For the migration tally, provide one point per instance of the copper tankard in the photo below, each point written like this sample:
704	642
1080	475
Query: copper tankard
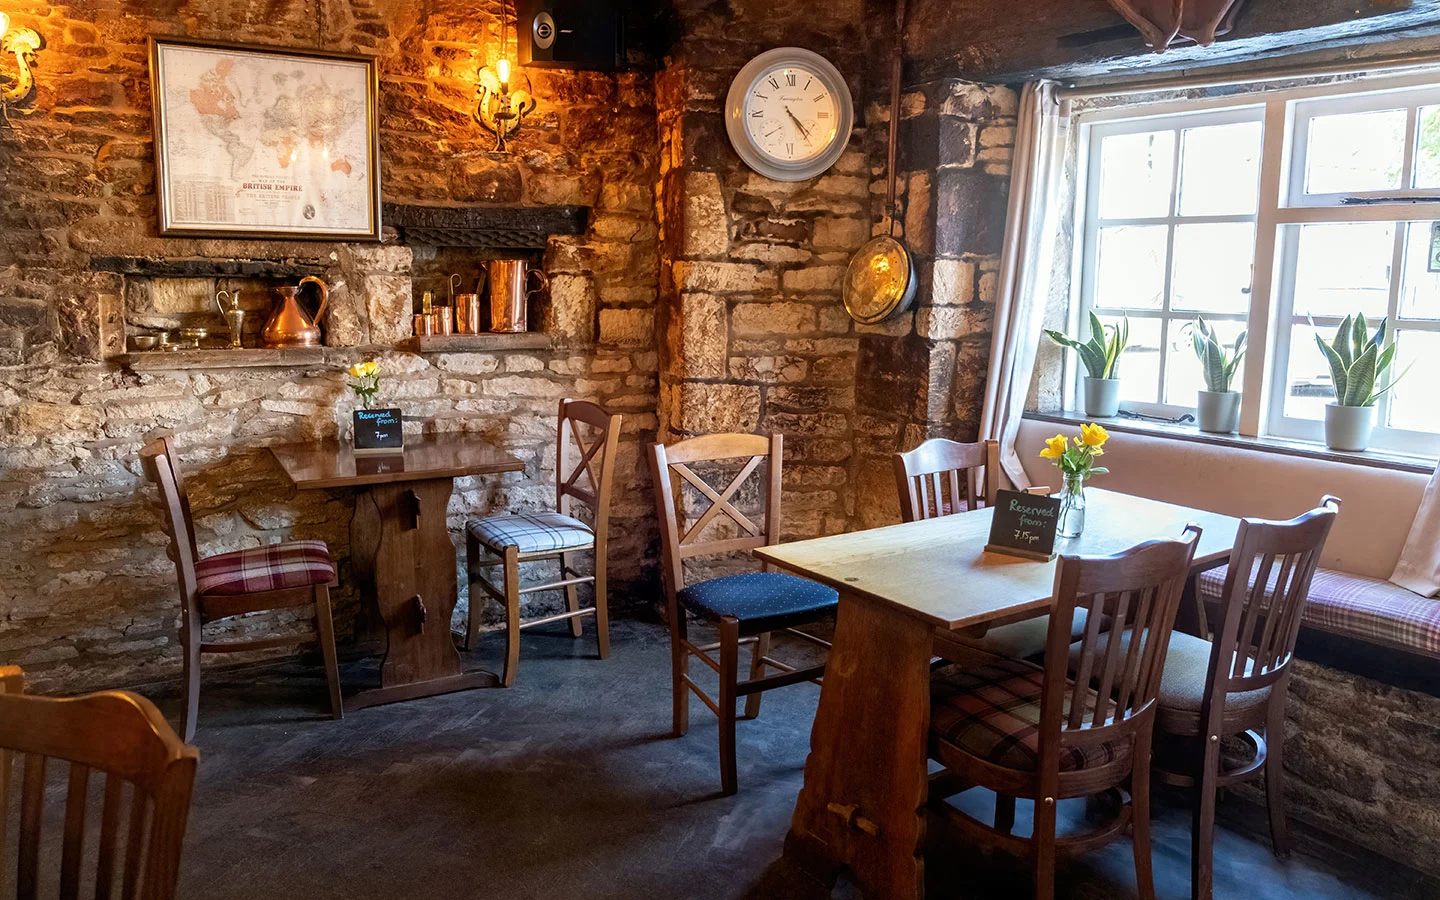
509	281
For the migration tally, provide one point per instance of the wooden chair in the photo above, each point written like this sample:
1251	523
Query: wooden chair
1236	682
746	607
116	734
1034	733
507	541
270	577
942	478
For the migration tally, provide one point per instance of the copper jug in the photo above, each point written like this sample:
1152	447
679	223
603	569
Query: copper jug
509	290
289	324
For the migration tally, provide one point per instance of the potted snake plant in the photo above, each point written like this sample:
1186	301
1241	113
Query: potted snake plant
1217	405
1100	355
1358	361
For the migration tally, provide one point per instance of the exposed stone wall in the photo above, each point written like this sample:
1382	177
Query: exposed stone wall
87	596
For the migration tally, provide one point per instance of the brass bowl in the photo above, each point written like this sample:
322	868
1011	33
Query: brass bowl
144	341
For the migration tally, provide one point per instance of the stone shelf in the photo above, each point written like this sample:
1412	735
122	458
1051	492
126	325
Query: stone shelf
172	360
462	343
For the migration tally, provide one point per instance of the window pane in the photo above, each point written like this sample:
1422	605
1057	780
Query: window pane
1220	169
1139	367
1344	269
1131	269
1136	174
1420	291
1412	400
1355	152
1427	160
1183	377
1308	387
1213	267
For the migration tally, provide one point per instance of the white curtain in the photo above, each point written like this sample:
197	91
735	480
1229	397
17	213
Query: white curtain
1025	268
1419	567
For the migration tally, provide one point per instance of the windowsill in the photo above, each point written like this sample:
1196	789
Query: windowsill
1376	459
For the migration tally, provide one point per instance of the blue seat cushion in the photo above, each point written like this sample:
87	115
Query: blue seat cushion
771	598
532	532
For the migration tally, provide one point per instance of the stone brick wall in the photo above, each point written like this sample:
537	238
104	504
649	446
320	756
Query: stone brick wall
87	595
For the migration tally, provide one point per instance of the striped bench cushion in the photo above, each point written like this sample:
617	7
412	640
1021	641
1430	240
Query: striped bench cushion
273	567
532	532
993	712
1365	608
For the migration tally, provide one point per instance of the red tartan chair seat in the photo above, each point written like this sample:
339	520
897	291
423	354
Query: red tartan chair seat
273	567
992	712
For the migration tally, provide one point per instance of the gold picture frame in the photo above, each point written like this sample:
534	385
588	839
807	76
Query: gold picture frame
285	122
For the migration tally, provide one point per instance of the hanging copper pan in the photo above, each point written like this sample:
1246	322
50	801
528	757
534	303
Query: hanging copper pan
880	280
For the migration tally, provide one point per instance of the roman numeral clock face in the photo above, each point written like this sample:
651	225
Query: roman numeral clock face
789	114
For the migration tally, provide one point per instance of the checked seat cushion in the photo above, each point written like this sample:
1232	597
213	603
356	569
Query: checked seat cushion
273	567
536	532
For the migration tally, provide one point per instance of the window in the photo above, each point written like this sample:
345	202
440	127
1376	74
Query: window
1266	213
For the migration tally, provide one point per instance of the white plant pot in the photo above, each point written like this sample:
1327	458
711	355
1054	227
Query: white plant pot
1219	411
1348	427
1102	396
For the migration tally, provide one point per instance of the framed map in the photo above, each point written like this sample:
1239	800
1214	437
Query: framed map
263	142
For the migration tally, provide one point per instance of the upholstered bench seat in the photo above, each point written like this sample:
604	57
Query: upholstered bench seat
1366	608
760	600
273	567
992	712
539	532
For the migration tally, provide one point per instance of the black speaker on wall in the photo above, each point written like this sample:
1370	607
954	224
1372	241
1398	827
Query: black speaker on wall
571	34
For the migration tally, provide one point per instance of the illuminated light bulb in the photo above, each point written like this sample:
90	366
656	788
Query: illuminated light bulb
502	68
4	24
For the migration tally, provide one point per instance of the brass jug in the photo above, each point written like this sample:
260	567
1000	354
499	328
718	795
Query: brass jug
510	292
289	324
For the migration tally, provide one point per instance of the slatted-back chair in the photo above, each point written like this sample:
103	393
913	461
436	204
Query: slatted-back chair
941	477
141	772
1235	684
506	541
1036	733
746	607
270	577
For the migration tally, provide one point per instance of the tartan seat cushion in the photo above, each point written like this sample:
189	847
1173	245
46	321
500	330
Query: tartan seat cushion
536	532
759	597
1366	608
273	567
992	712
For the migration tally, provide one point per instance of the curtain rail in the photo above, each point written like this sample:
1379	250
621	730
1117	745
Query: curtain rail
1369	67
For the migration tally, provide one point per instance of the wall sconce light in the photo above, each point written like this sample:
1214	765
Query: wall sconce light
17	89
500	108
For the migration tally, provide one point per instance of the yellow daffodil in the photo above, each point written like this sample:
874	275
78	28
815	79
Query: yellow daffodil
1054	447
364	369
1092	435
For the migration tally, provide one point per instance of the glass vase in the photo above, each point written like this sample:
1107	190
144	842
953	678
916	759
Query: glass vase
1072	507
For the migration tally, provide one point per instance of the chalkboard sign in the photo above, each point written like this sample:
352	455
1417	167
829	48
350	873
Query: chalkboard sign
1024	525
378	431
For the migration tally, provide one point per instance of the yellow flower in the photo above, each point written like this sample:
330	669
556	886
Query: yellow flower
1092	435
1054	447
364	369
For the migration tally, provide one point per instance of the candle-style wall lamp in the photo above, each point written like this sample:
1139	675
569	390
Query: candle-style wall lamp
17	89
501	107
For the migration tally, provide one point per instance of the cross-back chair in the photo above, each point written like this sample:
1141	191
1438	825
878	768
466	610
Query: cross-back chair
141	772
269	577
941	478
1235	683
746	607
1034	733
506	541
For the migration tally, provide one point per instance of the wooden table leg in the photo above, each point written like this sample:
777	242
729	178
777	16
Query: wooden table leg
862	804
403	549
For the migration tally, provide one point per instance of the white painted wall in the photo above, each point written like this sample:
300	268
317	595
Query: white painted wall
1377	506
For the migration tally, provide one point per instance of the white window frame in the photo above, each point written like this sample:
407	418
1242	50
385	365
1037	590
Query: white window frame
1282	207
1171	321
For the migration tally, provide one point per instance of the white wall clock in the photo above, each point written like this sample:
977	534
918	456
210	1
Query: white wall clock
789	114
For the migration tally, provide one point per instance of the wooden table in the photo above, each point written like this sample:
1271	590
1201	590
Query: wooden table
400	545
862	806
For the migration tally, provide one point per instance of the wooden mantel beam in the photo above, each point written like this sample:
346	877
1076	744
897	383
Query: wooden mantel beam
1005	41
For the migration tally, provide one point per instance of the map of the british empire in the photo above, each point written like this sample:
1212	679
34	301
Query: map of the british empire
264	142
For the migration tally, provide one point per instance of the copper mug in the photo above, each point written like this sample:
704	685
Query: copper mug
467	314
509	291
